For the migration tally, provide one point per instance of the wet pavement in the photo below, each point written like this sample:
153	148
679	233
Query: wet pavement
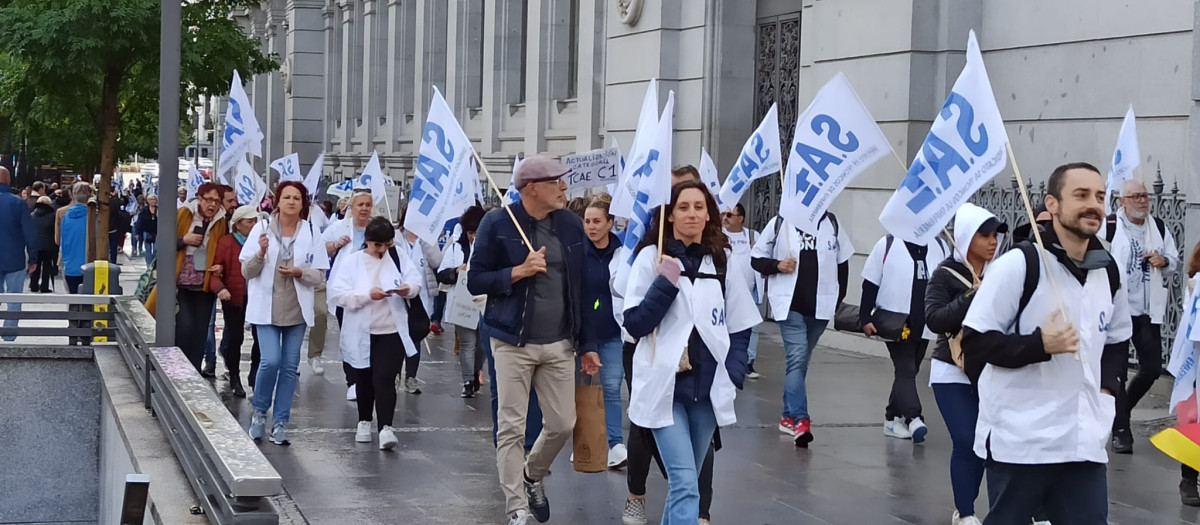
444	469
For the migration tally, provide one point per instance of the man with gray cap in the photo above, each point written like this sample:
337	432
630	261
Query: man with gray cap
533	318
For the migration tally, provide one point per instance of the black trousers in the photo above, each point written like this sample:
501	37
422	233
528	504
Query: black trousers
255	357
377	384
642	449
234	336
1147	342
73	284
44	272
191	323
906	362
1068	493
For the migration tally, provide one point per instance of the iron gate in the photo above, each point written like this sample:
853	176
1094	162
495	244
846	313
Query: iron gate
776	79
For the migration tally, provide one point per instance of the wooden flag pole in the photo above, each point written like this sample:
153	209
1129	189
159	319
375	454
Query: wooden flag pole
787	237
496	188
1037	234
662	219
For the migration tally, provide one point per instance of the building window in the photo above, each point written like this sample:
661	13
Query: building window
573	49
473	83
524	49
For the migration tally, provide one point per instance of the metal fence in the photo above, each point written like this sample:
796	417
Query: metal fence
1004	200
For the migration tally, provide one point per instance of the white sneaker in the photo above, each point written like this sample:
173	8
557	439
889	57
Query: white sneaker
618	456
351	394
917	430
317	367
959	520
896	428
519	517
363	434
387	438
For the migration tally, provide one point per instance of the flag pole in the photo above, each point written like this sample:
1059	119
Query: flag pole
1036	233
496	188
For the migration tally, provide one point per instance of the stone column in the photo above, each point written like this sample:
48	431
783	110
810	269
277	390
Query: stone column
348	56
1192	184
430	55
273	112
304	81
371	104
589	88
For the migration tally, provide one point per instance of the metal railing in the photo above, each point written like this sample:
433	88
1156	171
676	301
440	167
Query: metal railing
231	478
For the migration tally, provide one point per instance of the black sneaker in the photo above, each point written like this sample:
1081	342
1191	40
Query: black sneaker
475	386
209	370
235	385
539	506
1188	494
467	390
751	373
1122	442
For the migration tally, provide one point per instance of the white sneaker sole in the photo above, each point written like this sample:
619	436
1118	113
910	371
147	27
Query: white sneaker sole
388	444
895	435
362	438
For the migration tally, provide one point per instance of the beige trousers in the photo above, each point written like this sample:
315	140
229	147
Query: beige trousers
550	368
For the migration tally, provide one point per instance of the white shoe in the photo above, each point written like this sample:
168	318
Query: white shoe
317	367
896	428
969	520
519	517
618	456
387	438
363	434
351	394
917	430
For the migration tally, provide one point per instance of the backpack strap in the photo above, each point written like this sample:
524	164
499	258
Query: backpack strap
887	246
1114	277
1162	227
833	219
1110	229
1033	271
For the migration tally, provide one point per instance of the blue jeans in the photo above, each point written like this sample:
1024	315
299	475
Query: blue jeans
753	348
12	282
612	374
149	250
210	346
959	405
280	349
683	447
533	418
800	334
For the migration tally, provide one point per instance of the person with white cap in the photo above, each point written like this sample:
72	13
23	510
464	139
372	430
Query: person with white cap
951	288
533	316
230	286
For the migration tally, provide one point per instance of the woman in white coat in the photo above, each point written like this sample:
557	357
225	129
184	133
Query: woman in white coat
282	262
693	326
371	287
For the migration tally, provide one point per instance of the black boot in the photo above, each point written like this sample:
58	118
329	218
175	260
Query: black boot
1122	442
475	387
1188	495
209	370
235	384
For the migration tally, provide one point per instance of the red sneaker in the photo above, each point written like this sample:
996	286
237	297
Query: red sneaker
436	329
787	425
803	433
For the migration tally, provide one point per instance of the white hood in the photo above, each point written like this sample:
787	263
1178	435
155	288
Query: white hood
967	221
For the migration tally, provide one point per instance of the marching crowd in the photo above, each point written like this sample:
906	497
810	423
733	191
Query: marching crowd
1029	355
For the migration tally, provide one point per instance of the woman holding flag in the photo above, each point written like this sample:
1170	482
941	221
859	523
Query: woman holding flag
693	325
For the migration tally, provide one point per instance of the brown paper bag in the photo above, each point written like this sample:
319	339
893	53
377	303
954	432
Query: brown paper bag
591	435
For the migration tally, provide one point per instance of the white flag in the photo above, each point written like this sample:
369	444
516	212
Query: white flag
372	179
835	140
652	173
512	196
759	157
248	185
442	158
194	180
1126	158
964	149
242	134
312	181
643	139
288	168
708	173
1182	364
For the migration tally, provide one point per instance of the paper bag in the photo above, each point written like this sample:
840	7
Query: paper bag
591	436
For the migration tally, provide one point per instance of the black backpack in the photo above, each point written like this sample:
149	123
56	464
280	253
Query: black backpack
1110	229
1033	269
418	318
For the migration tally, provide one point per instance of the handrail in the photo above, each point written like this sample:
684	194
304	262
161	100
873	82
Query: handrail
229	474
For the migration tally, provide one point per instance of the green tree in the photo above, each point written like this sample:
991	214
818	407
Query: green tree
81	76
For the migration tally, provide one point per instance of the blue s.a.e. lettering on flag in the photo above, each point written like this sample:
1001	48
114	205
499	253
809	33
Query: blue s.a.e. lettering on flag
443	153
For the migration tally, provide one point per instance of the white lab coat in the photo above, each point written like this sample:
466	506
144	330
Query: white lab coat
1159	278
833	248
698	305
1053	411
308	253
892	271
350	288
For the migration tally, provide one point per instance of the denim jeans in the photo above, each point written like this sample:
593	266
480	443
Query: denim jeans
683	446
800	334
959	404
12	282
149	250
612	374
533	418
753	348
468	345
280	348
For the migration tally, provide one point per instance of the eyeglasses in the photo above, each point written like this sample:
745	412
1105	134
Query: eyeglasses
731	215
211	200
1137	197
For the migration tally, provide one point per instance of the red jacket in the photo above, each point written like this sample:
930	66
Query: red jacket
230	277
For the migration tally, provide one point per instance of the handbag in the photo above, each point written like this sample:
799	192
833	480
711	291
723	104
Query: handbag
889	325
418	318
845	319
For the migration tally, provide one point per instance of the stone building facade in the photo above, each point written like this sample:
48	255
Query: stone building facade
560	76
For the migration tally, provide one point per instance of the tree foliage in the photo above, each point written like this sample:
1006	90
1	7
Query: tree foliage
79	78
